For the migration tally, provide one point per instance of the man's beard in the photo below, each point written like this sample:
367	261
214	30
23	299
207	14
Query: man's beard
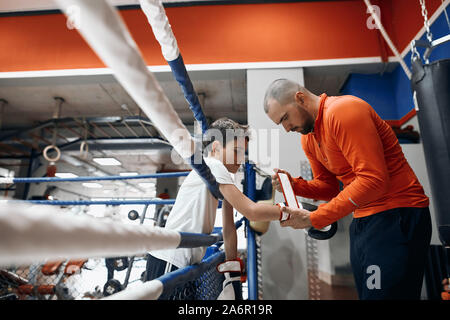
308	127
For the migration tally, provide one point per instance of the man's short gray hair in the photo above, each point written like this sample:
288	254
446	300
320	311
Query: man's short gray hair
281	90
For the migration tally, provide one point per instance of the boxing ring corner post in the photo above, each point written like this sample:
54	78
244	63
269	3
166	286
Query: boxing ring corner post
252	268
111	40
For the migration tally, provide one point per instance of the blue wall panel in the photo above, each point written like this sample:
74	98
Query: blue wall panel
376	90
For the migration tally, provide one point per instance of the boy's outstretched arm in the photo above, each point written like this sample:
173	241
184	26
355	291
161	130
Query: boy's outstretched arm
229	231
251	210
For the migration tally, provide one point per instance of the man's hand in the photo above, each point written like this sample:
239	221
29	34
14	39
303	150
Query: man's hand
300	218
275	182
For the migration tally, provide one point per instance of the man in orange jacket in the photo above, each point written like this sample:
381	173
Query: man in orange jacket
345	140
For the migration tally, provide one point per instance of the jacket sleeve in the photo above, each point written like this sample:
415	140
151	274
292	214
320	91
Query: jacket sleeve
324	185
355	133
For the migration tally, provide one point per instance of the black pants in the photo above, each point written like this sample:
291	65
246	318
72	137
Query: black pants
156	268
388	251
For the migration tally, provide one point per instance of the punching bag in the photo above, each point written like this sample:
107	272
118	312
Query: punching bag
431	89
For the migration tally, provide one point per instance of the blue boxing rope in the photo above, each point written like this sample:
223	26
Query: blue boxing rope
196	161
252	267
90	178
189	239
200	281
181	75
94	202
196	282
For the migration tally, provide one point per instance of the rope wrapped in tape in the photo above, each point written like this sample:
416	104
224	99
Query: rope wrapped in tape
32	233
162	30
169	284
106	33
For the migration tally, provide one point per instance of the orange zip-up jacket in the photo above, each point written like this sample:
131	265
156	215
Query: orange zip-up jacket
352	144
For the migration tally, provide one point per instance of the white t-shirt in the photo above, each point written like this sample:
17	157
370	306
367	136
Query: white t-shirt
194	211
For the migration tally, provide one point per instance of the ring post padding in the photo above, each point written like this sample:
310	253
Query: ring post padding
180	74
250	178
162	30
106	33
47	149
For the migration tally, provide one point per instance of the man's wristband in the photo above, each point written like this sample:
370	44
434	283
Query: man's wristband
283	215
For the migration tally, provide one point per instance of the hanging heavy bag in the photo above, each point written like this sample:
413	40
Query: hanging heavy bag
430	84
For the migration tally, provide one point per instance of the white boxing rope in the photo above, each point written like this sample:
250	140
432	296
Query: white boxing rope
162	30
150	290
104	30
157	19
30	233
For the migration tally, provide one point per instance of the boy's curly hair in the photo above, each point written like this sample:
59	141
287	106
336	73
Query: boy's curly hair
224	130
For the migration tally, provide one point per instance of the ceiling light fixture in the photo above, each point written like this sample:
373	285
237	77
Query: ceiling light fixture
147	185
65	175
92	185
107	161
128	173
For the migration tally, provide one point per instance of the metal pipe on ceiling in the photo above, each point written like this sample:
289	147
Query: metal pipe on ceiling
13	149
57	133
101	130
115	130
131	130
26	144
84	127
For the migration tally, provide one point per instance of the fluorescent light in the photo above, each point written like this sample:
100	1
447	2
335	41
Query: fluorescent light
92	185
107	161
147	185
128	173
65	175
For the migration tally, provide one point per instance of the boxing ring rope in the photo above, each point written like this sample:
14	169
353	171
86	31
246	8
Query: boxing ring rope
106	33
170	285
173	284
9	180
156	201
162	30
37	233
33	233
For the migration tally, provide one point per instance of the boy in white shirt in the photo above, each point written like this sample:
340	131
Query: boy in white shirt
195	207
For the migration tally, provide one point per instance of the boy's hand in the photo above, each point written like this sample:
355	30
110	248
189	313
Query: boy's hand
275	182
